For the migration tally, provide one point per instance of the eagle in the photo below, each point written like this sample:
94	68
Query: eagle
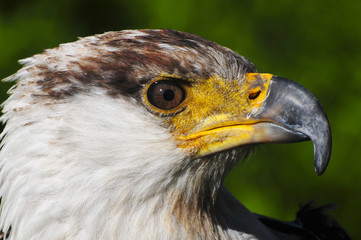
130	134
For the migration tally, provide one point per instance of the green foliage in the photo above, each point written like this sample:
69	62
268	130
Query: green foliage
316	43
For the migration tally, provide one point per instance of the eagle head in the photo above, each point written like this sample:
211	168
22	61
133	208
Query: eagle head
129	135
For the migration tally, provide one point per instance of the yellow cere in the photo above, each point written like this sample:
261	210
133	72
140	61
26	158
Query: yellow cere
215	115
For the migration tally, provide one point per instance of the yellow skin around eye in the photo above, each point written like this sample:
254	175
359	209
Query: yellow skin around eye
215	113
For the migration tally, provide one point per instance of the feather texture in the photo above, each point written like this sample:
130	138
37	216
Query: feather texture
83	158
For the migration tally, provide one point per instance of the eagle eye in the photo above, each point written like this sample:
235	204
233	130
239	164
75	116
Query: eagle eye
165	95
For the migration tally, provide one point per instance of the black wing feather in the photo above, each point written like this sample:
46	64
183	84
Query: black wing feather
312	223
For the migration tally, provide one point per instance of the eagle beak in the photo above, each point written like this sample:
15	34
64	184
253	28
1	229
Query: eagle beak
277	110
293	114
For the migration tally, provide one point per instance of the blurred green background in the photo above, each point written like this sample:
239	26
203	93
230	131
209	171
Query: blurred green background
316	43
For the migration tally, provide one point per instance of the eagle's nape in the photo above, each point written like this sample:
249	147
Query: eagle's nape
130	134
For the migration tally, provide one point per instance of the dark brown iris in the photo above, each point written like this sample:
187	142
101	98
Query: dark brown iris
165	94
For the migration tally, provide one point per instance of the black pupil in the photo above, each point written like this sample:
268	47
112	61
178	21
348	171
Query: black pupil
168	95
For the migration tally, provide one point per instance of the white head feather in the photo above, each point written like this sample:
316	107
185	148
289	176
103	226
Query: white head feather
95	166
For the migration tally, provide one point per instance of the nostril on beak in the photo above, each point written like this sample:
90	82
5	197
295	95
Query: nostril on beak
254	95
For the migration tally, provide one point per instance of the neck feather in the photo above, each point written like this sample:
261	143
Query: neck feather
65	177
